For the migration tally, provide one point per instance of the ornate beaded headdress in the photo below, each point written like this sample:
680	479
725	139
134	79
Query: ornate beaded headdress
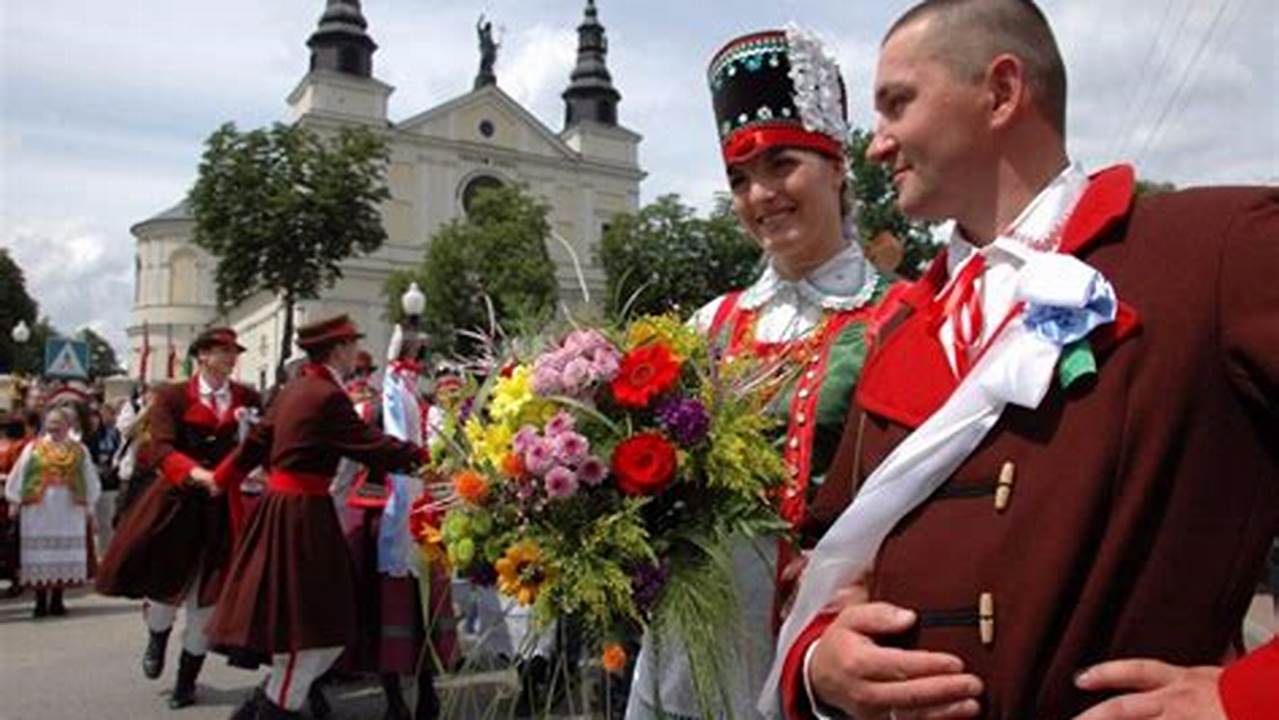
777	88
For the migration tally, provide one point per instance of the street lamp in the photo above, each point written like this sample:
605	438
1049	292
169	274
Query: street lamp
20	333
413	302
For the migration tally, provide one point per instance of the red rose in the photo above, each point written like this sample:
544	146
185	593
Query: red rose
645	372
644	464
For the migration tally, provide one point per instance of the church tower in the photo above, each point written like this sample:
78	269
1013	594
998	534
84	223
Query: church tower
590	95
340	83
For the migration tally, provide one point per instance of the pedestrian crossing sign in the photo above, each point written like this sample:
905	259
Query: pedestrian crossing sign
65	358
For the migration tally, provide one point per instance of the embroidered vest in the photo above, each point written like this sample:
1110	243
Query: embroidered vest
50	465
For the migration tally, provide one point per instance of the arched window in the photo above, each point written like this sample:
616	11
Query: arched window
476	184
182	278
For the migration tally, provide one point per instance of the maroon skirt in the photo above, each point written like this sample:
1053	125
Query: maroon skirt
290	585
167	540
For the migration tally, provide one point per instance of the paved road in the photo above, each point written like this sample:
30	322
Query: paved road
86	665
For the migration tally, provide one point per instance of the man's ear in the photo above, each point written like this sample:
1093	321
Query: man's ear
1006	88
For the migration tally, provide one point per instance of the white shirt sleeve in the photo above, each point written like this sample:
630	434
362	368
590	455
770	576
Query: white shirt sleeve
92	483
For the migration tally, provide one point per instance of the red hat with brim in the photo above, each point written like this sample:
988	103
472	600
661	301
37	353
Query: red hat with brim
326	333
216	337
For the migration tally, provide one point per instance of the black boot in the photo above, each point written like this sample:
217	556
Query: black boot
55	603
270	711
249	709
184	689
396	709
153	657
317	703
428	701
42	604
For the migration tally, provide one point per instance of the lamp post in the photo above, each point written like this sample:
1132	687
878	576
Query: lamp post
20	335
413	302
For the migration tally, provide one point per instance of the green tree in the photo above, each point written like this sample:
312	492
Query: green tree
666	258
872	185
1153	187
281	208
497	251
15	306
102	359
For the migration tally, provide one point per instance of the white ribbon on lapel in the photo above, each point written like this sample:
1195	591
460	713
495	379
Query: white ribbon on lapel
1065	299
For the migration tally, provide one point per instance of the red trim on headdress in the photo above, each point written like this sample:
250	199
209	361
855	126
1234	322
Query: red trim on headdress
745	144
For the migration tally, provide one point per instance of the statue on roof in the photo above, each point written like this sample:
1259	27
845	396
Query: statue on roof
488	53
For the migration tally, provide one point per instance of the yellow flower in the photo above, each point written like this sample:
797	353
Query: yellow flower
666	329
511	394
520	573
489	443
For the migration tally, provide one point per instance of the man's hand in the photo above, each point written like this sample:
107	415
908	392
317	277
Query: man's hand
853	673
1153	690
203	477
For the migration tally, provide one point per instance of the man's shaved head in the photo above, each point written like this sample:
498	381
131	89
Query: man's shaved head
966	35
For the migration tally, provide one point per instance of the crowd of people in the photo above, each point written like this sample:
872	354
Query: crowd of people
1041	481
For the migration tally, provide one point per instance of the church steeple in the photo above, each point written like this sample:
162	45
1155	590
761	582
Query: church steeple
590	95
341	43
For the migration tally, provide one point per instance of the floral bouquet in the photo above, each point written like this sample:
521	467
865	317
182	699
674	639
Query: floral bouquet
605	480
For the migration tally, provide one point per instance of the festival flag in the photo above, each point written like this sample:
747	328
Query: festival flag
146	354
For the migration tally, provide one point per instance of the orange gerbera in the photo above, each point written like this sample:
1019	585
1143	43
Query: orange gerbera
513	465
614	658
470	486
520	573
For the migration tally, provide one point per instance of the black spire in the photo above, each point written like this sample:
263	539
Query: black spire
341	43
591	95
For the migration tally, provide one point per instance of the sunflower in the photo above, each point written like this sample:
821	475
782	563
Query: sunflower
520	573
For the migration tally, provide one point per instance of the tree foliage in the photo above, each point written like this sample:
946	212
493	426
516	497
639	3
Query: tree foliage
498	251
15	306
872	184
1153	187
666	258
102	358
281	208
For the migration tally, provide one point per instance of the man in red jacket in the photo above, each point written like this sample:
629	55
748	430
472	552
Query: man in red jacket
173	545
1120	510
289	597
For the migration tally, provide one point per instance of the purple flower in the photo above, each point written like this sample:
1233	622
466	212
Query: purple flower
540	457
524	439
685	419
561	423
592	471
560	483
571	447
646	583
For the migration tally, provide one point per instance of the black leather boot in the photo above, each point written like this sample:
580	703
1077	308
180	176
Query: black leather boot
428	701
153	657
56	606
271	711
396	709
249	709
42	604
184	689
317	703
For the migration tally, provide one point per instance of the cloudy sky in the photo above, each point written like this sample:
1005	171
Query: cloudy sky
104	105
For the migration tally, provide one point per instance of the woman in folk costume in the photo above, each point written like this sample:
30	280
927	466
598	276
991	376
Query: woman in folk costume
779	105
51	489
172	546
290	590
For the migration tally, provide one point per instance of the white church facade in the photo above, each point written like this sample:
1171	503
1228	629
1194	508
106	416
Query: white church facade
587	173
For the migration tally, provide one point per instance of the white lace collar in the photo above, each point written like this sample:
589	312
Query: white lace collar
845	282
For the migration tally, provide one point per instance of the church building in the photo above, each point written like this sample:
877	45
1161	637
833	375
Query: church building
587	172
